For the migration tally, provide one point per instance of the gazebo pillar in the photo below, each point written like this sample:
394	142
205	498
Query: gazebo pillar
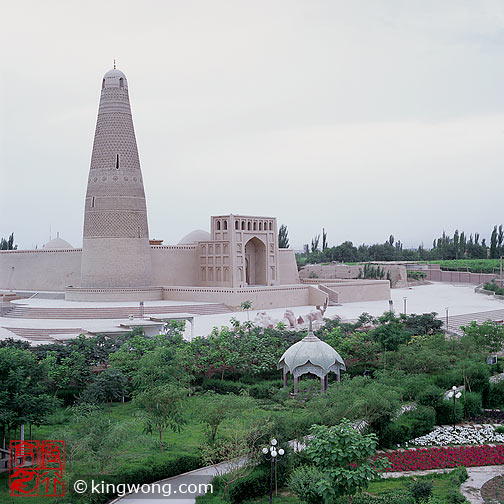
338	376
322	384
326	380
284	378
295	385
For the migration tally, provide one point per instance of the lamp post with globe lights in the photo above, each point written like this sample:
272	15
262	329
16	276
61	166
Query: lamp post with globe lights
271	454
456	395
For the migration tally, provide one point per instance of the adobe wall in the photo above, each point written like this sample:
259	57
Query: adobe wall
175	265
351	291
287	267
398	272
42	270
437	275
261	297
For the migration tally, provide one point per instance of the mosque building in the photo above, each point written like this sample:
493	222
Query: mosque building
238	260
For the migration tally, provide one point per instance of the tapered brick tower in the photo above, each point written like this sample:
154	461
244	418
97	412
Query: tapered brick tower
115	249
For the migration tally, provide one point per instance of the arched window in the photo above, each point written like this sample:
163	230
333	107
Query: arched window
260	226
243	225
121	83
103	83
218	225
117	161
237	225
255	226
249	226
225	225
271	226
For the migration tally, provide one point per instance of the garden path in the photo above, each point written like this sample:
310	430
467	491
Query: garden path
478	476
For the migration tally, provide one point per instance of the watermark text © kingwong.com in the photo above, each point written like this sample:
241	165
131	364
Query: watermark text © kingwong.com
146	489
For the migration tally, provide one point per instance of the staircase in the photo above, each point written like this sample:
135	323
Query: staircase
115	312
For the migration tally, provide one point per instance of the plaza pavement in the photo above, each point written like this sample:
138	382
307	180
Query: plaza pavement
460	299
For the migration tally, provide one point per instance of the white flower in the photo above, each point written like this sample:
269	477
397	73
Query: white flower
461	435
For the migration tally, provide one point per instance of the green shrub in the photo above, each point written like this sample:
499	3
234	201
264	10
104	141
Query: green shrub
303	483
500	429
459	475
408	426
472	405
421	490
255	484
430	396
223	386
390	498
495	397
444	412
453	496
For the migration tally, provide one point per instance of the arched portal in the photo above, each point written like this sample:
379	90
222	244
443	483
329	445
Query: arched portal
255	261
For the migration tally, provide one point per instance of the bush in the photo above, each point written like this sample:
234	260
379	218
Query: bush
453	496
223	386
255	484
303	483
459	475
495	397
472	405
444	412
389	498
408	426
430	396
421	490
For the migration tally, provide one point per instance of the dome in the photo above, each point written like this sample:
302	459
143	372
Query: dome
194	237
57	243
311	355
114	79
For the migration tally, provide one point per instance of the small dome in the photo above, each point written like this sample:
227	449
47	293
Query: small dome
194	237
57	243
114	79
311	355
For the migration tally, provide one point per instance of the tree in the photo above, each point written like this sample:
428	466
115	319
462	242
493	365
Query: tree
346	457
488	336
283	237
163	407
246	305
240	450
8	244
315	243
24	396
216	408
493	244
109	386
325	246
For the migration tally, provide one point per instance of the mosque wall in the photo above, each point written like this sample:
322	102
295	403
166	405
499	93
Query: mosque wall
175	265
287	267
40	270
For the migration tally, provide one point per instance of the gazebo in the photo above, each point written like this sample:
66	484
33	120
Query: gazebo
311	355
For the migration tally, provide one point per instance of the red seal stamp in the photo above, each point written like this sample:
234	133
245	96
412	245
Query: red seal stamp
36	468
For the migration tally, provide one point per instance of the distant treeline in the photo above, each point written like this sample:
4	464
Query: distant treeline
458	246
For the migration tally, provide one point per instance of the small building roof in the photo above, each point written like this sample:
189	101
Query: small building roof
195	237
112	79
311	355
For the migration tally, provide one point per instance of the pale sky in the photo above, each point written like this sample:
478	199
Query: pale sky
364	117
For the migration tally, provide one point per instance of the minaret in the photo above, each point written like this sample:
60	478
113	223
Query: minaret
115	249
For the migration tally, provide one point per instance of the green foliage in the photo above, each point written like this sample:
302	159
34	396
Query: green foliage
8	244
305	482
489	335
417	275
283	237
344	455
421	490
472	402
216	408
492	286
495	397
391	332
163	408
409	425
24	388
444	412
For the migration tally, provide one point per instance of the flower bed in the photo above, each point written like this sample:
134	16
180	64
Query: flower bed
461	435
442	457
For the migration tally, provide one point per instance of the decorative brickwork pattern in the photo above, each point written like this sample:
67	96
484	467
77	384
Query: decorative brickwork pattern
115	251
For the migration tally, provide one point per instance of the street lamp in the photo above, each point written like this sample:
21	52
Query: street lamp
271	454
456	395
404	299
